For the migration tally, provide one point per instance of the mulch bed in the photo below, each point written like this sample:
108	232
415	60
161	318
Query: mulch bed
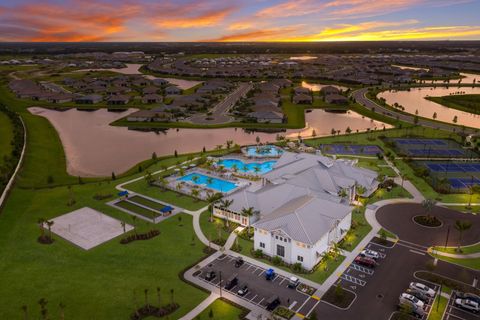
428	221
45	240
152	311
342	302
140	236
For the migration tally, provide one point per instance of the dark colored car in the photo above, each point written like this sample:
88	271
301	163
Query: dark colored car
469	296
364	261
272	303
243	290
238	262
231	282
210	275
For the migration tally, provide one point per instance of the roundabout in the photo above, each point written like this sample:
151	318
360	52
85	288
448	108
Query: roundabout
402	220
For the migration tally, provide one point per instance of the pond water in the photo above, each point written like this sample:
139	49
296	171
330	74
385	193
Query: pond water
303	58
415	100
318	86
94	148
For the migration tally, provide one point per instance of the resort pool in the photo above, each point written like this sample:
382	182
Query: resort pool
263	151
210	182
263	167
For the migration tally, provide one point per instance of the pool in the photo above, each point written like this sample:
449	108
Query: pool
263	167
263	151
210	182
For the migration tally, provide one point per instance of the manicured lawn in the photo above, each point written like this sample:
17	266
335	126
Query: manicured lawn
438	308
167	196
137	209
147	202
469	263
379	166
221	310
465	250
213	230
95	284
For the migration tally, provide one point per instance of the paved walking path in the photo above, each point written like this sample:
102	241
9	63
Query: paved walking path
474	255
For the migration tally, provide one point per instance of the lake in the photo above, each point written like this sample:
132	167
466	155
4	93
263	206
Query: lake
415	100
94	148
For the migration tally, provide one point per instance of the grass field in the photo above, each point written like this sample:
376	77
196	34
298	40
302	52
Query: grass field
213	230
469	263
465	249
220	310
95	284
467	102
146	202
6	136
150	214
438	308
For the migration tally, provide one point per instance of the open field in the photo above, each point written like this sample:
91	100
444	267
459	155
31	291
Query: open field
6	136
467	102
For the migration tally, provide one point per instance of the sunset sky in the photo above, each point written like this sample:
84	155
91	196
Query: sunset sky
243	20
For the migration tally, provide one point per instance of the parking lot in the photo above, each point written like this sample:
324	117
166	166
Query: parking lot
260	289
455	313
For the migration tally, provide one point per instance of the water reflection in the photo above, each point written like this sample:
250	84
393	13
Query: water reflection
414	100
93	148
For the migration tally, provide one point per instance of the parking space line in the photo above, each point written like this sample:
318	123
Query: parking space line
282	281
261	273
293	304
260	301
254	297
255	270
361	269
354	280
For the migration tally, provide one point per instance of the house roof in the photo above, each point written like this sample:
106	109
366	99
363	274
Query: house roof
306	219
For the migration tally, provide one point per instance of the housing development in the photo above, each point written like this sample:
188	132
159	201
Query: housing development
284	178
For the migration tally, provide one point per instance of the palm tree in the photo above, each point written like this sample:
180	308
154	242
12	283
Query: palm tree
428	205
171	295
335	250
195	193
474	189
342	193
195	178
249	212
224	205
146	297
462	226
245	168
163	183
149	178
50	223
209	180
229	143
256	169
25	312
123	224
41	222
158	297
134	223
61	305
179	188
235	168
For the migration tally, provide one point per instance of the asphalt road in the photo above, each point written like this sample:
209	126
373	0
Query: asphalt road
219	112
378	298
359	96
398	218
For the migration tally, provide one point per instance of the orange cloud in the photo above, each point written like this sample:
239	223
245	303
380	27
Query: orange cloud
90	21
290	8
274	34
207	19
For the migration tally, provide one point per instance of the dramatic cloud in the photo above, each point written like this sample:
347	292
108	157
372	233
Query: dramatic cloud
207	19
275	34
89	21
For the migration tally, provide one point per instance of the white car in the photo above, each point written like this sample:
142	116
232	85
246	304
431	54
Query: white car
467	304
370	254
412	299
422	288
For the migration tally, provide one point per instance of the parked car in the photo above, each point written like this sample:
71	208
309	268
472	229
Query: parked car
469	296
210	275
231	282
272	303
412	299
468	305
423	288
269	274
243	290
238	262
367	253
418	294
293	282
415	311
364	261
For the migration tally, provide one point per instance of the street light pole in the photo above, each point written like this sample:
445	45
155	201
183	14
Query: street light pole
448	234
220	283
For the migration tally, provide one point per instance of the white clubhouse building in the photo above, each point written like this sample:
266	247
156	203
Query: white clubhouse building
304	205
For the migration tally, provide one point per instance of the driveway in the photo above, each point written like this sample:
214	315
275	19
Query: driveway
398	218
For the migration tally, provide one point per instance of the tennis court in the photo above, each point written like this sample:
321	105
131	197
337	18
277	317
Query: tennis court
350	149
453	167
463	183
431	148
